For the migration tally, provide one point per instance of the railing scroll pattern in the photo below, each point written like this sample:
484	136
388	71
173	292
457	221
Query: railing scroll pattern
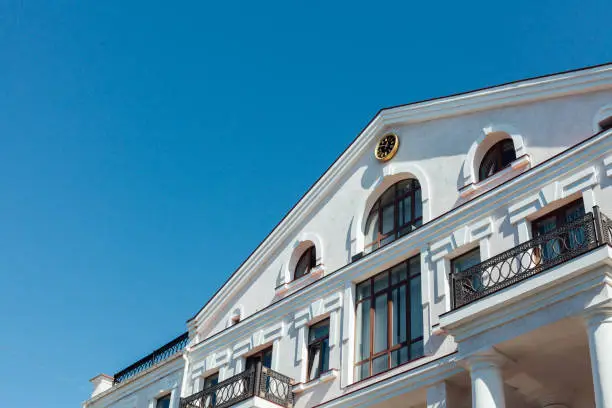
224	394
256	381
530	258
275	387
163	353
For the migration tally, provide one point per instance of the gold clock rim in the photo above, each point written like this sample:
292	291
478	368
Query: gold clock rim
391	153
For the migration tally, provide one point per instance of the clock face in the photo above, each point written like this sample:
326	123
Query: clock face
386	147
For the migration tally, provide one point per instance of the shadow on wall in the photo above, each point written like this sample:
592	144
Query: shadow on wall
317	395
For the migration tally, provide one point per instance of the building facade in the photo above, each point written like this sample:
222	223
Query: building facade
457	254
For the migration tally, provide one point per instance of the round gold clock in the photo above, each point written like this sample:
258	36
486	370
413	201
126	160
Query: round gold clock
386	147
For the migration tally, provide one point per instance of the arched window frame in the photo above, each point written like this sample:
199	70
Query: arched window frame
605	123
501	155
306	262
381	237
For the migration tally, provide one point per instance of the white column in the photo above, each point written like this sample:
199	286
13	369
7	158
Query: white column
436	396
599	328
487	381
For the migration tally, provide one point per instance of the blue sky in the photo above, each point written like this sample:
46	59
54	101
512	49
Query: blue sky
146	148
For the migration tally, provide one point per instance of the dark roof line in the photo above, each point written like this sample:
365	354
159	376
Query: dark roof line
355	139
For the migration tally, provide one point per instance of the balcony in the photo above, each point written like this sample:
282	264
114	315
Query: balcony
256	382
163	353
530	258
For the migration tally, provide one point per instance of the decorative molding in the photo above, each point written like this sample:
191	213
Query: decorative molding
317	309
391	173
293	286
576	82
514	191
518	166
577	182
477	231
491	134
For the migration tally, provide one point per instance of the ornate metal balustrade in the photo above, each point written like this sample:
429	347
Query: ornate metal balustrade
532	257
164	352
255	382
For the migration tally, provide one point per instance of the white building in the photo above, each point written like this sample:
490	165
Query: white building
456	254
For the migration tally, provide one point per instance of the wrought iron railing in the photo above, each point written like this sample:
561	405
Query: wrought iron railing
257	381
530	258
164	352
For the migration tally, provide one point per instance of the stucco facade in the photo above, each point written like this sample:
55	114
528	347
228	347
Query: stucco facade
530	336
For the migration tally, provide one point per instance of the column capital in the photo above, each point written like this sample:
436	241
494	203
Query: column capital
489	358
596	315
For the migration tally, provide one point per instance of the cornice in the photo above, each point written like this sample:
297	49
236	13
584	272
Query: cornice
401	383
474	212
141	380
521	92
528	91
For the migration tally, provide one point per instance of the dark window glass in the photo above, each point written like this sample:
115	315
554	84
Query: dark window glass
500	156
559	243
466	261
211	381
389	319
318	349
306	262
605	124
397	212
163	402
264	357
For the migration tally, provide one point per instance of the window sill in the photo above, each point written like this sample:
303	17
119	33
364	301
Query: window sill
516	167
290	287
323	378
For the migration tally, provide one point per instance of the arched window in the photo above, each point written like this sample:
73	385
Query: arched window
306	262
497	158
605	124
398	211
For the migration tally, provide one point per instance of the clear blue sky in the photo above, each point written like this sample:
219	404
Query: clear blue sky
147	148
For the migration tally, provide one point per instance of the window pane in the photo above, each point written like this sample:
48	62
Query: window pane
404	187
416	350
387	219
318	330
381	282
388	197
405	207
508	154
398	273
303	266
163	402
398	298
416	309
362	343
380	364
211	380
372	228
363	290
466	261
399	357
414	265
325	356
362	371
418	204
380	324
314	359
